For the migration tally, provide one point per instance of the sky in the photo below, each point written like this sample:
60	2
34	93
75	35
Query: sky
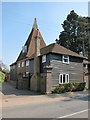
18	18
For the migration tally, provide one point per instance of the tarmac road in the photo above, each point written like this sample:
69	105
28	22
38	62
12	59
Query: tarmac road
70	105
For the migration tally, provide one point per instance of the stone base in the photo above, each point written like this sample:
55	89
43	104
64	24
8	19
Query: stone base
35	83
22	84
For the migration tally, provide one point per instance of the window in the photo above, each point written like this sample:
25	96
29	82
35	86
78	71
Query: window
27	73
43	58
65	59
63	78
18	64
85	66
24	49
27	63
22	64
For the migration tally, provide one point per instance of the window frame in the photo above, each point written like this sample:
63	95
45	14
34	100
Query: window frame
19	65
43	58
22	63
27	62
24	49
61	76
63	59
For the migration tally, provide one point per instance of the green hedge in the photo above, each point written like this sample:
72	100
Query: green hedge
69	87
2	77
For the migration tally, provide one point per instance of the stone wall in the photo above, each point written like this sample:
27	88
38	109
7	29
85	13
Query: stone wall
43	83
23	82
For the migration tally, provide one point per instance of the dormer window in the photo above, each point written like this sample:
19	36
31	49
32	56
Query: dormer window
24	49
65	59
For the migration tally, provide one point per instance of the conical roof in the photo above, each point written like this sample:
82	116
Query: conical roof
30	43
35	26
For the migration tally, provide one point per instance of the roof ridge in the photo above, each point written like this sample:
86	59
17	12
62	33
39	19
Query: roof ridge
48	45
67	49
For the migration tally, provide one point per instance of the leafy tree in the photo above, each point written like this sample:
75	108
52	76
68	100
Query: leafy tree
75	34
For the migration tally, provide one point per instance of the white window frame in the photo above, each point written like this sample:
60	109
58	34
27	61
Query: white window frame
65	57
23	64
43	58
66	80
18	65
27	63
86	66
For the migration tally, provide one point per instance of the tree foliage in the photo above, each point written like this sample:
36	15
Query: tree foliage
75	35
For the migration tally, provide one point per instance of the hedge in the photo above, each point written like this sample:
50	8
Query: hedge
69	87
2	77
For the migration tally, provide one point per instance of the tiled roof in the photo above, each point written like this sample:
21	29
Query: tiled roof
52	48
55	48
30	43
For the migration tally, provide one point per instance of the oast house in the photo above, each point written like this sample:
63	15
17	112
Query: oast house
41	68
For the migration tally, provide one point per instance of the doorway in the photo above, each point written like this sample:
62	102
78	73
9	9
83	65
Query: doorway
29	82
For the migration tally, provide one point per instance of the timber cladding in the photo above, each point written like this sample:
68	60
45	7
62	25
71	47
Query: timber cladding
74	68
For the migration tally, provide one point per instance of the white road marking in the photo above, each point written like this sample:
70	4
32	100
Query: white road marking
74	113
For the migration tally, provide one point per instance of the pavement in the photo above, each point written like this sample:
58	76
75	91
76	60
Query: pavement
28	104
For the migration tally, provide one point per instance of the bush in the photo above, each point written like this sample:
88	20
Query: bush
79	86
59	89
69	87
2	77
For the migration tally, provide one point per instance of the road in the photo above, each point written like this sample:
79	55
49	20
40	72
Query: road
71	105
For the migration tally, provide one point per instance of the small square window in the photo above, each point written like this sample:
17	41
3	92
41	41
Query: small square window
65	59
43	58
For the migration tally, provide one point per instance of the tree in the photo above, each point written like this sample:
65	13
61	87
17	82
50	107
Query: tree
75	34
3	67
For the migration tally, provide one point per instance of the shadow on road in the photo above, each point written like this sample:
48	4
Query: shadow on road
10	89
81	95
